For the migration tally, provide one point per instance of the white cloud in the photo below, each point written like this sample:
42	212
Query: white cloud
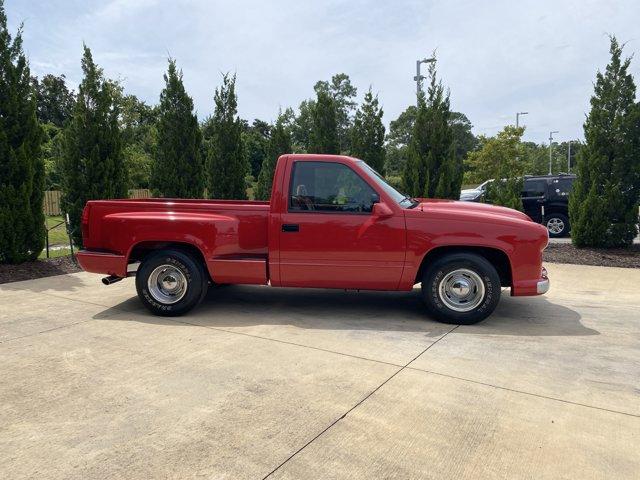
497	57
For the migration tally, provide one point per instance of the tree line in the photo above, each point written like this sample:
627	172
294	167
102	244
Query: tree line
98	141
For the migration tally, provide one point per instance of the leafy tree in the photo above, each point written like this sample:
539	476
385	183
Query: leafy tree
226	162
432	168
279	144
368	133
138	122
603	205
54	100
93	165
178	170
464	140
52	153
21	166
302	127
343	94
536	157
398	140
256	143
324	132
498	158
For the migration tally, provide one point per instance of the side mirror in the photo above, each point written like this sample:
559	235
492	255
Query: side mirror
375	198
382	210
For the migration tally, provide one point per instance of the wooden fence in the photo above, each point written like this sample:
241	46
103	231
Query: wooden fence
51	204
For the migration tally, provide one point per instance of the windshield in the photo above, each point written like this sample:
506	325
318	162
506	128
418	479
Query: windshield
403	200
483	186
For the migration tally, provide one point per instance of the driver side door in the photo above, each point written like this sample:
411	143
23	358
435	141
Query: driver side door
330	236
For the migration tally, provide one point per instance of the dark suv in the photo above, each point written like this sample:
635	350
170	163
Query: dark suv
545	198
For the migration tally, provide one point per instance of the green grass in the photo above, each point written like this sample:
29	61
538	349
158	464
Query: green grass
58	235
63	252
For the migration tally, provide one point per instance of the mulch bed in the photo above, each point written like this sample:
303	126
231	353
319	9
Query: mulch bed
616	257
37	269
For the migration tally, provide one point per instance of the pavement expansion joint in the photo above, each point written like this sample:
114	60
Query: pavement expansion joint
522	392
357	404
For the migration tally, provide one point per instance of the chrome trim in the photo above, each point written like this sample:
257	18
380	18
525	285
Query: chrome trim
543	286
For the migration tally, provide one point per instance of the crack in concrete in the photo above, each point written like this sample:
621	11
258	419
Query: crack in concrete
356	405
513	390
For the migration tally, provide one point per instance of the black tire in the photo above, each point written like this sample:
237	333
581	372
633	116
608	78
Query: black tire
181	265
469	268
557	219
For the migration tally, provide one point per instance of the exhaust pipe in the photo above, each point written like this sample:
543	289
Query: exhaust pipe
111	279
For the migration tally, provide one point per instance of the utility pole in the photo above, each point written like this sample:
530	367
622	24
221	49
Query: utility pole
551	148
418	78
569	158
518	117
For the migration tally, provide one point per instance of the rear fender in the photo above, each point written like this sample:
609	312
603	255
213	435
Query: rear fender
211	234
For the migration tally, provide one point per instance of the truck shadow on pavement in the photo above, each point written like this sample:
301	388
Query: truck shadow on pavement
246	306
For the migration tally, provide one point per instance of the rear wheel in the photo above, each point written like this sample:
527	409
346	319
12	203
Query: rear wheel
557	224
171	282
461	288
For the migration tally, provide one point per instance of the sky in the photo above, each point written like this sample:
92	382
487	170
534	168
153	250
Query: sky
496	57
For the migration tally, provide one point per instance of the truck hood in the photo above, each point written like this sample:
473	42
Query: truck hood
472	210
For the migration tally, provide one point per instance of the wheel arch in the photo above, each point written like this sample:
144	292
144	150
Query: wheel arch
498	258
141	250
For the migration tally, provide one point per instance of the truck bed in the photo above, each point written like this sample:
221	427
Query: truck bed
230	234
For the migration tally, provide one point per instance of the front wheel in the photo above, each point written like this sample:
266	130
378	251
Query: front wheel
557	224
170	282
461	288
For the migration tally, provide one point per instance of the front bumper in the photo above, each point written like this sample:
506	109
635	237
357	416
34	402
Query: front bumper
535	286
543	285
102	262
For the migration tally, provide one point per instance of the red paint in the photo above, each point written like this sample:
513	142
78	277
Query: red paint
243	241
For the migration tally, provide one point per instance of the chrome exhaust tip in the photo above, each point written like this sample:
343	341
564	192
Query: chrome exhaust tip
111	279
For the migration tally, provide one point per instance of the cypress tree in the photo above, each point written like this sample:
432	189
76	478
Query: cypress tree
367	141
432	168
92	164
226	163
178	170
324	130
603	205
21	165
279	144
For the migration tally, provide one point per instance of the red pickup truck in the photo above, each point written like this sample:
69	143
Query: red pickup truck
332	222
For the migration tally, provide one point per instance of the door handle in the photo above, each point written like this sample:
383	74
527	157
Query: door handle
290	227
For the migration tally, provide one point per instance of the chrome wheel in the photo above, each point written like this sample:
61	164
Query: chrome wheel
461	290
167	284
555	225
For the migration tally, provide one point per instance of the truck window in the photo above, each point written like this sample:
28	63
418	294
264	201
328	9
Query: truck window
534	188
562	186
329	187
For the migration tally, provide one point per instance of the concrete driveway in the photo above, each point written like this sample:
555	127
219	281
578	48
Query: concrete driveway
295	384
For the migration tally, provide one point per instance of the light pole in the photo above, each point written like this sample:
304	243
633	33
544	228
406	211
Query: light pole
551	148
518	117
569	158
418	78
